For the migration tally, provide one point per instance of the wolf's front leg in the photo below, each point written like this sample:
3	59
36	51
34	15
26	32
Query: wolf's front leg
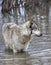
14	49
6	46
26	46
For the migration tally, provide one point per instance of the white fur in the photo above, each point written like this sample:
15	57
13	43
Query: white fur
37	32
17	37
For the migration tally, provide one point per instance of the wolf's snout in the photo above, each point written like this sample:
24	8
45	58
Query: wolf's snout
37	33
41	34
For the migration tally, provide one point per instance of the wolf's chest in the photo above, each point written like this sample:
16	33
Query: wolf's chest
25	39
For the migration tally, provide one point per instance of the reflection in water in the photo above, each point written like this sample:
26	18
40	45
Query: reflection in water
18	59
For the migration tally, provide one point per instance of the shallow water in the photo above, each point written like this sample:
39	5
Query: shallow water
39	51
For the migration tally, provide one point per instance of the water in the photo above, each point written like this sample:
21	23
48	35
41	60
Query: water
39	51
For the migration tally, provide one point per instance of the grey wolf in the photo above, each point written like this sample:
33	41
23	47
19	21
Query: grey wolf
17	37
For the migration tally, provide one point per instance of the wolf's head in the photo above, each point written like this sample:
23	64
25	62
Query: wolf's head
35	29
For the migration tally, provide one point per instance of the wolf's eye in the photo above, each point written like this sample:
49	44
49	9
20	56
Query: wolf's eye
35	28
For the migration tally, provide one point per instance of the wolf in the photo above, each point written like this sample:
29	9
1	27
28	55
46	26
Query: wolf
17	37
